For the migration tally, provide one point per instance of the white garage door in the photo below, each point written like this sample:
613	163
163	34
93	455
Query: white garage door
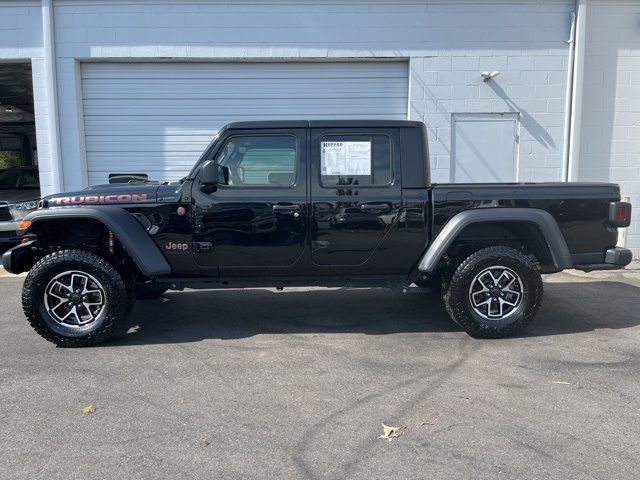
157	118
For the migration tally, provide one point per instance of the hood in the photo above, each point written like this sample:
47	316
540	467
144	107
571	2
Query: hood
19	195
105	194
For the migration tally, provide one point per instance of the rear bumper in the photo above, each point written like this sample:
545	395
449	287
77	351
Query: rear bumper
614	259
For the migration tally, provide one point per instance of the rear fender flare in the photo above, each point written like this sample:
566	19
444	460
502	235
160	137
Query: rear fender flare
135	240
542	219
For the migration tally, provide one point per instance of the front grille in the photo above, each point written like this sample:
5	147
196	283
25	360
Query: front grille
5	213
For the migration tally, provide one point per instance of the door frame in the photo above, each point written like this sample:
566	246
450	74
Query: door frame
487	116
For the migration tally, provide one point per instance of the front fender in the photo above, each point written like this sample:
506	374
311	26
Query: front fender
135	240
542	219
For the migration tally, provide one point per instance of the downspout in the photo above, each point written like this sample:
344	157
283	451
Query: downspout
577	91
568	99
50	74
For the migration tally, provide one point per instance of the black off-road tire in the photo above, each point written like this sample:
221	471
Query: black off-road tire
110	320
457	293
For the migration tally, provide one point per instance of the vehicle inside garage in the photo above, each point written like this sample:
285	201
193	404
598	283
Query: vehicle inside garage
17	119
19	180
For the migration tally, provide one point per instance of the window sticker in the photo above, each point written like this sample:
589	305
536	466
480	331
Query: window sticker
346	158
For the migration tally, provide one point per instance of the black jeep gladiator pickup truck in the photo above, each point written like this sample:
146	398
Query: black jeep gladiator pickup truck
318	203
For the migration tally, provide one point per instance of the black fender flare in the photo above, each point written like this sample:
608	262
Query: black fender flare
542	219
130	233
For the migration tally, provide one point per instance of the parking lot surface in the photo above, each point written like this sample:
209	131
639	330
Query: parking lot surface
295	384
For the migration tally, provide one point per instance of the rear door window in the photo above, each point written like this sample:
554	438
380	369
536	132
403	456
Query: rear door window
357	160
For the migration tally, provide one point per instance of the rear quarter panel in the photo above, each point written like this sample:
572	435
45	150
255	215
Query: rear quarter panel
581	209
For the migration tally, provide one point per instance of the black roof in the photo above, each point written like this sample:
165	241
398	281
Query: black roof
323	124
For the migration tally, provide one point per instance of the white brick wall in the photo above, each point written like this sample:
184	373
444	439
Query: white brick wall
20	30
448	43
610	134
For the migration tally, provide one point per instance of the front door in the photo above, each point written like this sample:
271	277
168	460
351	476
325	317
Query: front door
256	219
355	194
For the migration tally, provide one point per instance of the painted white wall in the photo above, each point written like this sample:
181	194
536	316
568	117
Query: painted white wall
610	133
448	44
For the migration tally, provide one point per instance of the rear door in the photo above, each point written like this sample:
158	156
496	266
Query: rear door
355	193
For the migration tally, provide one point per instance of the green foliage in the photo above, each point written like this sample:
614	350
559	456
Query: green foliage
10	158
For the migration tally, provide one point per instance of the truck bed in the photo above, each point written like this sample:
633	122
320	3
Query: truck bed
581	209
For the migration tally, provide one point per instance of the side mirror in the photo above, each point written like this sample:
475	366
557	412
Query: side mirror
209	173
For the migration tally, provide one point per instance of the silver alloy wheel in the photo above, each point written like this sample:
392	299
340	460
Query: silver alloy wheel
496	292
74	298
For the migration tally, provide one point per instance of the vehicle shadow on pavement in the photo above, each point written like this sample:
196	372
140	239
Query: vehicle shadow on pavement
191	316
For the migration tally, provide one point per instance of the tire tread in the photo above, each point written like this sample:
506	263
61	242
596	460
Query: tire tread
117	294
456	290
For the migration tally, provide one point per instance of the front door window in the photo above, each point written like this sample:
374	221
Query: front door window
267	161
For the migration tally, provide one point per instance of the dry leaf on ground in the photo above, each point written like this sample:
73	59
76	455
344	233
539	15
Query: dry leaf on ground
89	409
391	432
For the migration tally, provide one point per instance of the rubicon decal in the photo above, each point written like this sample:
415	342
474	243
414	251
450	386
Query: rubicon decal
94	199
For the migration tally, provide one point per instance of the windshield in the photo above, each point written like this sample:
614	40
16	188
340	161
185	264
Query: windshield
204	156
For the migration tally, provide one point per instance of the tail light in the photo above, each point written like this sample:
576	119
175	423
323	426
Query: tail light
620	214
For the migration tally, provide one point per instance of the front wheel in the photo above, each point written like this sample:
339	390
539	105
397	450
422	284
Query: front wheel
494	293
75	298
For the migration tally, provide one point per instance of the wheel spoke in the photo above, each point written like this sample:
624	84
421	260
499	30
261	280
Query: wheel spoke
58	306
83	282
91	315
72	311
486	302
484	287
59	284
62	299
507	302
504	272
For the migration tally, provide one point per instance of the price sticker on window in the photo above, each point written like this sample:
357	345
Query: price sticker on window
346	158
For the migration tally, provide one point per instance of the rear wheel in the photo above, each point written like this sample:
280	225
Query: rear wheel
75	298
494	293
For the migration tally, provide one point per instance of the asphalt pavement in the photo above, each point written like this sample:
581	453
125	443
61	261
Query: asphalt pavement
263	384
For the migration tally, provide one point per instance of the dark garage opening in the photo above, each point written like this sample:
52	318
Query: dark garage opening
19	180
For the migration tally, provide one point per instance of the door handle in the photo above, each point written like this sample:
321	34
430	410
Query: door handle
375	207
292	207
203	247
